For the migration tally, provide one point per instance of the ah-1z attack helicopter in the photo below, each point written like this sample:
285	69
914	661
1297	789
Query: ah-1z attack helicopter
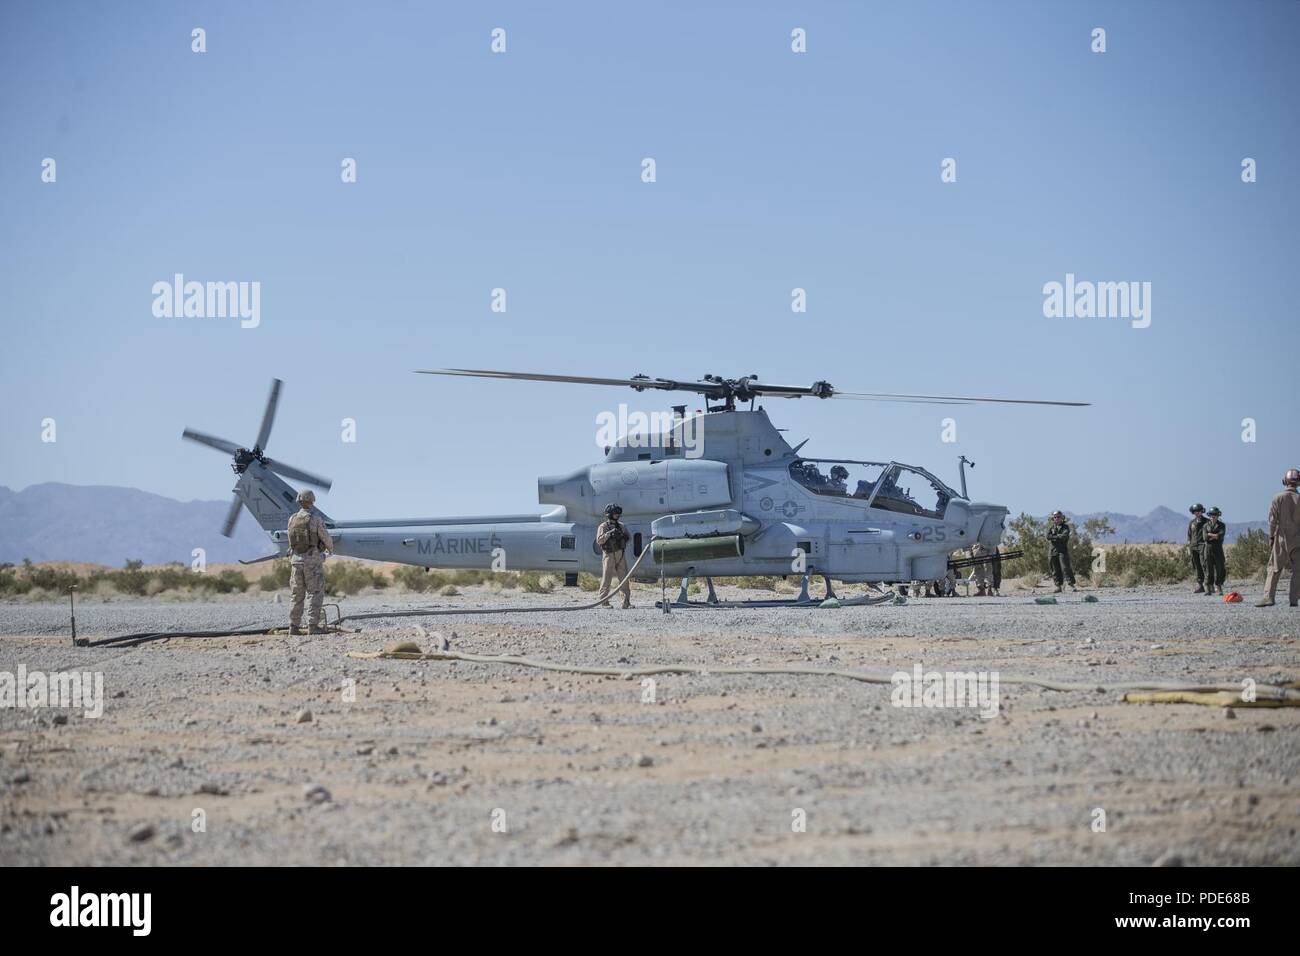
719	492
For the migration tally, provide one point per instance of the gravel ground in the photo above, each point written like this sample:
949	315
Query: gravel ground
440	762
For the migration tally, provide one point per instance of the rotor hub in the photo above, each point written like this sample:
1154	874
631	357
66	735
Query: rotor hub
244	457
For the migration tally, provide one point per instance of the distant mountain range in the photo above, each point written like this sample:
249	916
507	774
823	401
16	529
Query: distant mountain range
107	525
1162	524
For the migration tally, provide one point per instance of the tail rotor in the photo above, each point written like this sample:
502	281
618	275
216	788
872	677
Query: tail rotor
243	457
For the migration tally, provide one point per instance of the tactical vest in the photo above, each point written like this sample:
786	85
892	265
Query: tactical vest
616	541
301	538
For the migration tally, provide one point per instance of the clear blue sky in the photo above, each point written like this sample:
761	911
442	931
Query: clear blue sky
775	170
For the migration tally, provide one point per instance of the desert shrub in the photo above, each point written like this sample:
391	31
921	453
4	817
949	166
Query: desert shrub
349	577
448	590
588	582
761	582
227	582
1130	566
51	579
132	579
173	577
534	582
468	577
11	584
1247	557
277	578
414	578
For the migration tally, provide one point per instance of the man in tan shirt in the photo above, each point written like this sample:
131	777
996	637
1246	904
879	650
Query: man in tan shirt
1284	539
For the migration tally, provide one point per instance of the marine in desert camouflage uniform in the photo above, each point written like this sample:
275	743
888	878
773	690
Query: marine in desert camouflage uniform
981	574
309	542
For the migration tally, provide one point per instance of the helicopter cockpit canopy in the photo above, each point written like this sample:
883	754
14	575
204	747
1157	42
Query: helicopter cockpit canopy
885	485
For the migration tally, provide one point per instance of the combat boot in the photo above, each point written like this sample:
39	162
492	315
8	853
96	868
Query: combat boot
296	631
1058	590
1200	589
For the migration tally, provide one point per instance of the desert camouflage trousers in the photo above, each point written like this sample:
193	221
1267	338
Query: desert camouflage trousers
613	568
307	576
1276	566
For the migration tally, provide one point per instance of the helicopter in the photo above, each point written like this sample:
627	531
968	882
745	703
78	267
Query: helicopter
718	492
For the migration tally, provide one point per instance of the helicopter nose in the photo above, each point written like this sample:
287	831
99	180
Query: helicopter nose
569	490
992	521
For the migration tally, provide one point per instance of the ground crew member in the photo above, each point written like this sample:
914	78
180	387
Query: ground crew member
1284	539
611	538
1216	567
1058	538
996	569
948	584
308	544
980	573
1196	544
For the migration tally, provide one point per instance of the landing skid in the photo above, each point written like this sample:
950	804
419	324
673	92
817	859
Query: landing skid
803	600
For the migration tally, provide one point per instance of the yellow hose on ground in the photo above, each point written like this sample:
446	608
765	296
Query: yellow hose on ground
1218	698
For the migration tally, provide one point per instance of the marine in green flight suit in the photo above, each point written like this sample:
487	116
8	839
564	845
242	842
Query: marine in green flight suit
1216	567
1058	539
1196	543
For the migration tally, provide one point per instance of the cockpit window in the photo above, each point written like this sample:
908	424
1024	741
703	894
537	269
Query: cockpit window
911	492
838	479
896	488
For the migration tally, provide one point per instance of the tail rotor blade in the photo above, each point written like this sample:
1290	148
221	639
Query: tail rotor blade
268	417
220	444
288	471
228	526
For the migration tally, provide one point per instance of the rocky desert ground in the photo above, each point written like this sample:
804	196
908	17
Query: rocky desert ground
284	750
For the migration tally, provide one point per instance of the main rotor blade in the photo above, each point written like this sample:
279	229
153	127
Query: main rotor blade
905	401
753	387
288	471
963	400
220	444
657	383
268	417
228	526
